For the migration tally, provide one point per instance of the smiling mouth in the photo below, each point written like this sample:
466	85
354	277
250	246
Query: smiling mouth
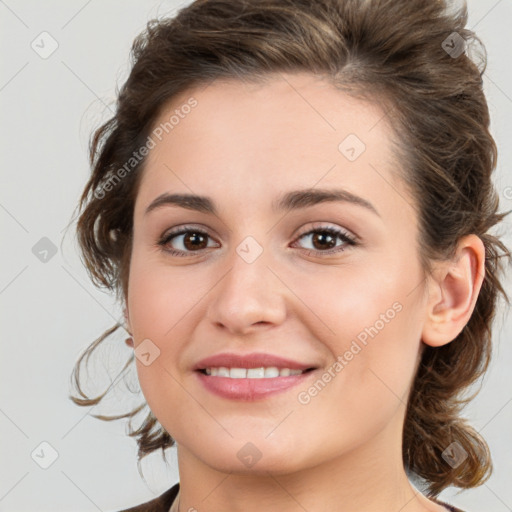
270	372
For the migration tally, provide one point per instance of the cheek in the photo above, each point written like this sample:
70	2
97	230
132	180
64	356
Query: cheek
366	389
371	324
165	305
359	301
159	297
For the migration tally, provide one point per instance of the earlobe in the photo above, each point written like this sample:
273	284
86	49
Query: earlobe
453	292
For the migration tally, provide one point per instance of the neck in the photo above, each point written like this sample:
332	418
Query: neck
370	478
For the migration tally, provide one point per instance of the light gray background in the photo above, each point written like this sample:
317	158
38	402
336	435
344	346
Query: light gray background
50	311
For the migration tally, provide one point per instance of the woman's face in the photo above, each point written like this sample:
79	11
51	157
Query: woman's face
334	285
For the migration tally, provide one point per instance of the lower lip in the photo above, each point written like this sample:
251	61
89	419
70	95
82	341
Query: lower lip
250	389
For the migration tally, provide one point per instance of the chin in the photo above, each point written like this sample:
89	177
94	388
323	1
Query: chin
252	455
276	463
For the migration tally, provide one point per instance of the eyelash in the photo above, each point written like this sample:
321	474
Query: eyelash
349	240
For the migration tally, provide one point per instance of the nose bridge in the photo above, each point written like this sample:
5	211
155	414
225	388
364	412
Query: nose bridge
250	262
249	291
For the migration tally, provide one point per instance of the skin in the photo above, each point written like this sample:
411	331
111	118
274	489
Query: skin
244	145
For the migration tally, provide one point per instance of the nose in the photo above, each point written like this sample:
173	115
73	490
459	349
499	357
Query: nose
249	296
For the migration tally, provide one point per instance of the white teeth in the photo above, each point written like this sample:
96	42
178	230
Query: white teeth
251	373
256	373
237	373
271	372
223	372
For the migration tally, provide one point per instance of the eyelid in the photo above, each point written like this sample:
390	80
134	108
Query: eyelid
178	230
318	226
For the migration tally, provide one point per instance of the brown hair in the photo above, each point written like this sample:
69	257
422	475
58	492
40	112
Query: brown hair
393	50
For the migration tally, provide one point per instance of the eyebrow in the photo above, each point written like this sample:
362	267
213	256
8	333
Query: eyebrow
293	200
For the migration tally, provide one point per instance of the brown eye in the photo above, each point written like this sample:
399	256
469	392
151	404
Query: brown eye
186	240
193	240
324	241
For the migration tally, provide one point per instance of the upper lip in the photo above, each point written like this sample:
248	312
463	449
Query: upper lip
254	360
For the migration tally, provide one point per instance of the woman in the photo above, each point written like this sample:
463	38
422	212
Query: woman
293	203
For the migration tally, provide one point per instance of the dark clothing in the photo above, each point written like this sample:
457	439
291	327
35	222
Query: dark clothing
163	503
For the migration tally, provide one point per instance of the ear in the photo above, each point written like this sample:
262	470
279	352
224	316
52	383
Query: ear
453	291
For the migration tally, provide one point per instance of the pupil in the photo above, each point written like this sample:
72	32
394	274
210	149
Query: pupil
196	239
322	238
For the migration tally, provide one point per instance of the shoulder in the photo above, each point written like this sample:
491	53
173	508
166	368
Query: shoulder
161	503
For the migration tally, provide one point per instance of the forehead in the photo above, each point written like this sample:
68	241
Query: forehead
289	131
